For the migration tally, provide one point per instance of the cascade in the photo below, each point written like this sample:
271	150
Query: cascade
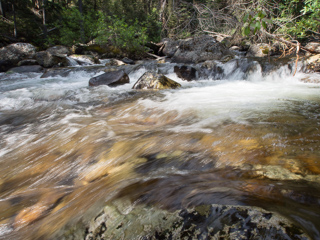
72	62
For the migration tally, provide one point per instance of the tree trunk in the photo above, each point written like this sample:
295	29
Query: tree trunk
162	8
15	32
82	36
1	10
45	31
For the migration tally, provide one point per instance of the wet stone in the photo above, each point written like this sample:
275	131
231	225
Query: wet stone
202	222
152	80
185	72
111	79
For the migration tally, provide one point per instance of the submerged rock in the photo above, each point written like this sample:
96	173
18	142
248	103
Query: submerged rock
152	80
121	220
111	79
25	69
185	72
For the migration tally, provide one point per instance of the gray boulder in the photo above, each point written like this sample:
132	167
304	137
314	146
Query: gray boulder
112	79
200	49
122	221
47	60
14	53
59	50
152	80
186	72
170	47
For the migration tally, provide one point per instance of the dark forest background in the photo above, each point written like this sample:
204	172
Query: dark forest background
128	24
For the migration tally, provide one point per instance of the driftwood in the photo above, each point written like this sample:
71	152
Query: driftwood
155	56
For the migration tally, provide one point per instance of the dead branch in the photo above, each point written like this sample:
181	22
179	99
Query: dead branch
216	33
3	19
297	54
297	45
155	56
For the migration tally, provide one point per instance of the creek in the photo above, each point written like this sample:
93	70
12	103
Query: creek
231	137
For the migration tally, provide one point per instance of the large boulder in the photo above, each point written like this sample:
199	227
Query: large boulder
122	220
200	49
170	47
112	79
186	72
14	53
59	50
152	80
259	50
47	60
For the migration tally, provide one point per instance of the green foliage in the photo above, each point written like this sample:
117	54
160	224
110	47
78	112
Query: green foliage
70	28
254	22
129	37
300	18
152	25
145	12
140	21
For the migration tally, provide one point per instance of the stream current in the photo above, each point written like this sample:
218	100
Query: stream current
66	149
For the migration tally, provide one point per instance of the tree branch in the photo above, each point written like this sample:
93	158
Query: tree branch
297	45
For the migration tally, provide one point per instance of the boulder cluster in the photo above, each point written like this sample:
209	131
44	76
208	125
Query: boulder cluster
203	50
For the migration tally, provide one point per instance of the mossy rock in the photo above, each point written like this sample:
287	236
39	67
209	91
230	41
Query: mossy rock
152	80
97	48
122	220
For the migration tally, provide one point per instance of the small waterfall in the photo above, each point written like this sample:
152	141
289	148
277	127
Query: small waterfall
72	62
246	69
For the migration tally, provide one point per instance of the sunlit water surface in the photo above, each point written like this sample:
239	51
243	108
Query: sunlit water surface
66	148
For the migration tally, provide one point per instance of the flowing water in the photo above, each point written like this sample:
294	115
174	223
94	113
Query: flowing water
247	138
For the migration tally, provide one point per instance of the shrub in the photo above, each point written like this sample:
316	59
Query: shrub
129	37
